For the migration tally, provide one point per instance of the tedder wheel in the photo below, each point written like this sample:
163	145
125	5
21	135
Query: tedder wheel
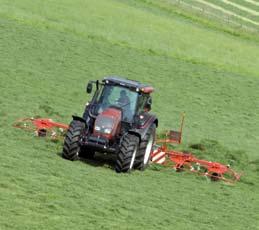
71	146
127	153
145	148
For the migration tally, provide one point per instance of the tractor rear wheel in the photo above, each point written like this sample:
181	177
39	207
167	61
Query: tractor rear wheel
127	153
145	148
71	148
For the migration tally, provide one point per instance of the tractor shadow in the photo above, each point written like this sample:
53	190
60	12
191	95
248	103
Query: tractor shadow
99	160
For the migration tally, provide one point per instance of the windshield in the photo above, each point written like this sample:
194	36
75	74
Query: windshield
120	97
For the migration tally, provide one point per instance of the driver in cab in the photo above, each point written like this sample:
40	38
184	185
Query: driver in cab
124	102
124	99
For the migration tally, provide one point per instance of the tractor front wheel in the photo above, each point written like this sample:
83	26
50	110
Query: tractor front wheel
127	153
71	148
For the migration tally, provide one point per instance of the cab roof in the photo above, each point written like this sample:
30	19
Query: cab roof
136	85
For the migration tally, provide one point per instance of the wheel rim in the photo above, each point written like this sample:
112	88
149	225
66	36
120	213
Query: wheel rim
148	149
133	158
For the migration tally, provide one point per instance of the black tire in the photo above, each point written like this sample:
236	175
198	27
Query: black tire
145	148
127	153
215	177
71	146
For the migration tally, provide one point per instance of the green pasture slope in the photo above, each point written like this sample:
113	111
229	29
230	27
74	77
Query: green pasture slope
50	49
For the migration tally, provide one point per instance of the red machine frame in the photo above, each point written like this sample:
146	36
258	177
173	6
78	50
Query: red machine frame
182	161
42	127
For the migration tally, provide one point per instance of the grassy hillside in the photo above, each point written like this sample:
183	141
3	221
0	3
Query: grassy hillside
50	49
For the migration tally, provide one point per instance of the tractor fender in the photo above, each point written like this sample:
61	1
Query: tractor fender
142	130
76	118
136	133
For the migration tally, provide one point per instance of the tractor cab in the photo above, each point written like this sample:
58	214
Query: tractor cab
130	97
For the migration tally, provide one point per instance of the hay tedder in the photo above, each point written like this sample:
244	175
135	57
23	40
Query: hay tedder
42	127
118	121
186	161
182	161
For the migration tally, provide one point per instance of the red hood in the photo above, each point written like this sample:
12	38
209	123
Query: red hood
108	120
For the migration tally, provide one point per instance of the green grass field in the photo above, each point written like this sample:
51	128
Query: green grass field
50	49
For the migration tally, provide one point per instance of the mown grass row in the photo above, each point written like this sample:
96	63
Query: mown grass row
249	5
228	18
235	10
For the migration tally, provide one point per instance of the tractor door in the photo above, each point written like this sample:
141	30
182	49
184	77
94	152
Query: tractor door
144	103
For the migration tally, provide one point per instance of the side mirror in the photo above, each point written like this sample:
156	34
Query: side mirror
148	104
149	101
89	87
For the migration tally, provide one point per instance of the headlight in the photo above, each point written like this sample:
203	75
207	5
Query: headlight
97	128
107	131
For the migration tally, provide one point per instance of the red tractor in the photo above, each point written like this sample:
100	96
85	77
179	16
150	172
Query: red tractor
116	121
